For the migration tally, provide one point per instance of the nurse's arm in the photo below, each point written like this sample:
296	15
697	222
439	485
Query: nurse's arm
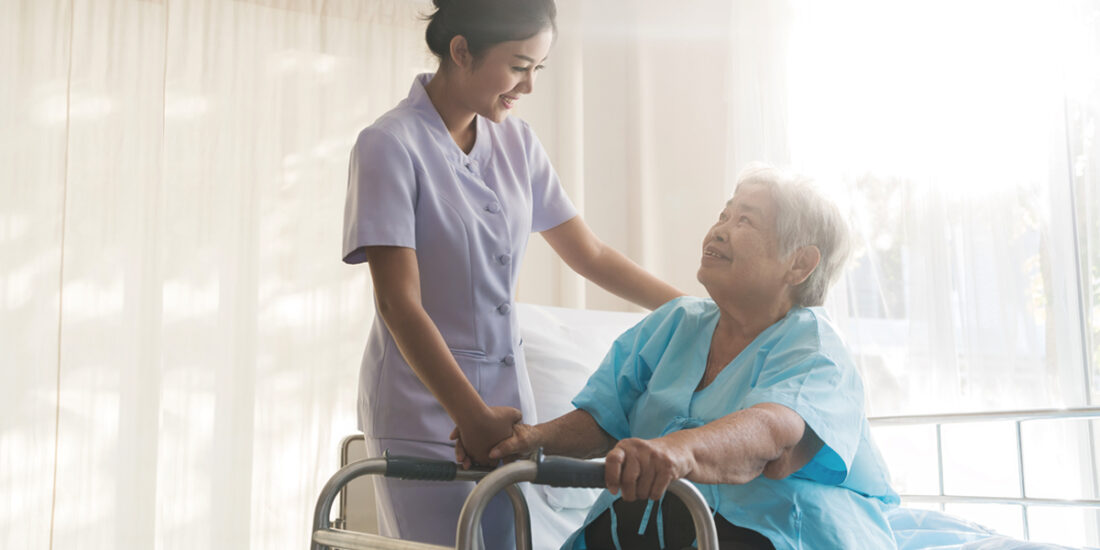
396	276
590	257
766	439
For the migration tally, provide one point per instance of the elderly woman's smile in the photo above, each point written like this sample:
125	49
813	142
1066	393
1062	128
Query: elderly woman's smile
712	254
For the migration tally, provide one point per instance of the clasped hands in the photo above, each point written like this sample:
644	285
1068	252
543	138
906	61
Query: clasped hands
639	468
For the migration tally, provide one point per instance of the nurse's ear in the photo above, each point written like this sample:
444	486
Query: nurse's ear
460	52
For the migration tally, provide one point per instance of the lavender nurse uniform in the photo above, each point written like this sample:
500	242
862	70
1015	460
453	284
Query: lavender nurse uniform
468	216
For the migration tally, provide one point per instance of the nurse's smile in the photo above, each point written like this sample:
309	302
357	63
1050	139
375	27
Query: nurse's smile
508	101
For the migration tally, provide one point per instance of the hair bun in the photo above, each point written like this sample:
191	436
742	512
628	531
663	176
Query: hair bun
484	23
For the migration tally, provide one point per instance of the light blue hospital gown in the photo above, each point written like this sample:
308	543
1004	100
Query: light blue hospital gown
645	388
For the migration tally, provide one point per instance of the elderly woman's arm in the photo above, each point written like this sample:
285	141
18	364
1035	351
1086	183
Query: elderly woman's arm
574	434
766	439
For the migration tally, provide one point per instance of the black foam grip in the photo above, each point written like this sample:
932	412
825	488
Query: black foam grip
410	467
560	471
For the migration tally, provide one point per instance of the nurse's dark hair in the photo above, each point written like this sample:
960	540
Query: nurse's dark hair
486	23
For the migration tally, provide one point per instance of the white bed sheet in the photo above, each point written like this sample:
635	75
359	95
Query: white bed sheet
930	530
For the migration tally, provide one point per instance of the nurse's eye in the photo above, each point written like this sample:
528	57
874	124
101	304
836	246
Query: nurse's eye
519	69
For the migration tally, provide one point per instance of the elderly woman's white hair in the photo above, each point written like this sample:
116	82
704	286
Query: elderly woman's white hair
804	217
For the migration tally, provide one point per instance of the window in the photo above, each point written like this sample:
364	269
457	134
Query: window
963	138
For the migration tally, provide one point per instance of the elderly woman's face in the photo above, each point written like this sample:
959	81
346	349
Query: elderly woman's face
741	251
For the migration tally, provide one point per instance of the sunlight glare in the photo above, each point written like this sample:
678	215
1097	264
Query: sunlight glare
934	90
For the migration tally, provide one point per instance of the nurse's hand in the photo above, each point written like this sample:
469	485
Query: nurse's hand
461	456
475	436
525	440
643	469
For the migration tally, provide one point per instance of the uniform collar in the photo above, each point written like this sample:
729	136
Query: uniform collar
418	99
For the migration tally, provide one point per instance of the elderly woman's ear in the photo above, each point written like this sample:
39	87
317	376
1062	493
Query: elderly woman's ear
804	261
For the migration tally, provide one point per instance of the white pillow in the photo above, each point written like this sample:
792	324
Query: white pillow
563	348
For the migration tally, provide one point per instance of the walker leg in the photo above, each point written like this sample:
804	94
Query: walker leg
523	517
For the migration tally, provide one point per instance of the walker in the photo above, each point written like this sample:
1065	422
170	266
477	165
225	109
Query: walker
555	471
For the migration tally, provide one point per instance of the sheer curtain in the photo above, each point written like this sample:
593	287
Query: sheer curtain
965	292
633	107
180	340
962	140
960	137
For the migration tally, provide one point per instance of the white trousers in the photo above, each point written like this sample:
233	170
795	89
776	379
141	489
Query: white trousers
427	511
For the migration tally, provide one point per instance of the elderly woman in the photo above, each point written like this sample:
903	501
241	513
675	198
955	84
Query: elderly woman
751	395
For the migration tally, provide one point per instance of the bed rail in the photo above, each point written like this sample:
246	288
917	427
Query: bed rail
1018	417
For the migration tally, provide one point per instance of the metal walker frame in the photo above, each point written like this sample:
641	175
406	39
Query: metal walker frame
554	471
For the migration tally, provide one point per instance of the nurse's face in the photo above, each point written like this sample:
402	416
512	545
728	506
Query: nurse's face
505	73
740	264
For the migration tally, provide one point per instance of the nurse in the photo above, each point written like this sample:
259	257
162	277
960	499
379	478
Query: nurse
752	395
443	193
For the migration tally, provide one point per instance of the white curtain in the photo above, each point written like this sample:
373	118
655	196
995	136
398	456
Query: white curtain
960	137
179	341
945	128
634	107
961	140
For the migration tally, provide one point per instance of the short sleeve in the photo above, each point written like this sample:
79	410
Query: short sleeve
827	394
380	209
550	206
624	375
611	391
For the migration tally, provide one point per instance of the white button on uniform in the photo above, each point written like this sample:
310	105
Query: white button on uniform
503	309
493	207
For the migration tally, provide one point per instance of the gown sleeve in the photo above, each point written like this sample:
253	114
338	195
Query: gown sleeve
611	391
623	377
812	376
380	209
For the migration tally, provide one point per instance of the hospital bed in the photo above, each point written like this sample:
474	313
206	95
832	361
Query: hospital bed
563	346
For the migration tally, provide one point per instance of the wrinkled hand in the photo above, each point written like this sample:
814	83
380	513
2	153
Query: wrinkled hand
475	436
524	441
643	469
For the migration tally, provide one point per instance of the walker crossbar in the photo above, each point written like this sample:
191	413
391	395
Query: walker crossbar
555	471
570	472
